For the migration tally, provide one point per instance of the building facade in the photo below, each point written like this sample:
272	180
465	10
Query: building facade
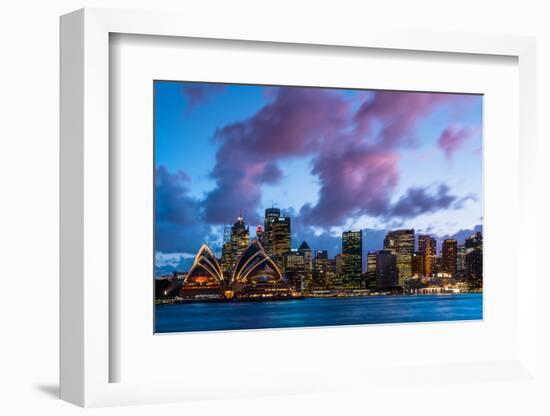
239	240
449	253
276	235
371	269
427	247
305	251
401	244
386	270
352	256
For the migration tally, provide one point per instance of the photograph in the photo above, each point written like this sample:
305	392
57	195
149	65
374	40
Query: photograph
303	206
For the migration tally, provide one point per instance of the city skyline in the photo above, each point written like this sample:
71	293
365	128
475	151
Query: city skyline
222	149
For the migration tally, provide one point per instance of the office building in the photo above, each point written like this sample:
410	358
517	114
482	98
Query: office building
401	244
352	252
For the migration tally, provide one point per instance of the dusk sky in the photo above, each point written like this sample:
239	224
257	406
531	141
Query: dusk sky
331	159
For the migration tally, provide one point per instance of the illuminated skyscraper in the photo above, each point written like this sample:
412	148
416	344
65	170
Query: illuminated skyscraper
461	260
305	251
427	246
320	269
401	244
449	256
227	258
474	259
386	270
295	269
277	236
371	269
352	252
239	239
473	242
418	264
271	217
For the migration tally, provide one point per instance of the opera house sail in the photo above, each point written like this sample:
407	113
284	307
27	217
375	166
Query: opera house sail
255	275
205	277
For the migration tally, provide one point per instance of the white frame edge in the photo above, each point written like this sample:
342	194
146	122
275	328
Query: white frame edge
84	172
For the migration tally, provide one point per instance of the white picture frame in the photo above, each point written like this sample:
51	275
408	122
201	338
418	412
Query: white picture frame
85	200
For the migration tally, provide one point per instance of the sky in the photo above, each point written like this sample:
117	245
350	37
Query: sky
331	159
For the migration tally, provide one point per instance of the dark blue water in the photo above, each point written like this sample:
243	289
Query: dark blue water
317	312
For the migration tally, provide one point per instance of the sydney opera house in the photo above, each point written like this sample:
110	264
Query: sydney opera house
254	276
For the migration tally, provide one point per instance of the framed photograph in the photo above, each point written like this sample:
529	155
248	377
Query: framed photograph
281	212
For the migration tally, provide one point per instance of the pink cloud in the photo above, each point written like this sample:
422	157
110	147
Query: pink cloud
356	153
397	114
454	137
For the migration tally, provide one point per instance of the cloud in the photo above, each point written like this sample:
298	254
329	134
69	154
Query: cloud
356	180
390	117
418	201
453	137
197	93
297	122
179	224
355	153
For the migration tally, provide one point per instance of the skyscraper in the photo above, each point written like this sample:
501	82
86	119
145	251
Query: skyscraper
461	260
277	235
239	239
295	269
474	259
227	258
474	265
401	244
320	269
371	269
449	257
305	251
352	252
418	264
427	246
271	216
386	270
475	241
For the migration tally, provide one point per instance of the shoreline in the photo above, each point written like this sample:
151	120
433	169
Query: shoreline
175	301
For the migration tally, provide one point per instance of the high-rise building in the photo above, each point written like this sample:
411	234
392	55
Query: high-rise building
339	259
449	257
386	270
331	282
427	246
474	258
461	260
295	269
227	258
281	236
418	264
352	252
339	270
305	251
226	233
401	244
271	216
277	235
320	269
239	239
371	269
474	264
473	242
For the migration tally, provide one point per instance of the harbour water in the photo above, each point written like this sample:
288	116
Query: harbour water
317	312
